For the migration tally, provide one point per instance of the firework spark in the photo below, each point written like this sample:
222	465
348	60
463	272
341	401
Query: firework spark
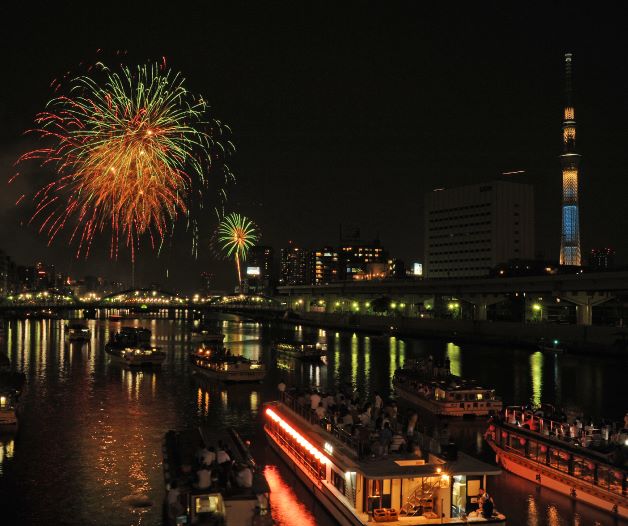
132	152
236	235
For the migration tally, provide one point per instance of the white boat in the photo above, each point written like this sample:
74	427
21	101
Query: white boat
358	488
78	332
218	364
312	352
435	389
131	346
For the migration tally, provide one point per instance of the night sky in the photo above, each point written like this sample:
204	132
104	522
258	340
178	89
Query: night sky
346	114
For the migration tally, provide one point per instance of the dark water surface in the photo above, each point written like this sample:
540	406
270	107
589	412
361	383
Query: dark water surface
91	431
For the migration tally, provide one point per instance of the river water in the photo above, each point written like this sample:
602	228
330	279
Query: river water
91	431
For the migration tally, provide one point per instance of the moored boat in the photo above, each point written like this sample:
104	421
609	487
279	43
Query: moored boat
233	493
8	409
217	363
358	487
204	333
131	346
564	457
433	387
78	332
303	351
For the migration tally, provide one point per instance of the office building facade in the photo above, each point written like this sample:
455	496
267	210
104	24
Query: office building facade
471	229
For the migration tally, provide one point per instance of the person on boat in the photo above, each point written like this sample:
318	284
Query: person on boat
315	399
488	505
175	507
320	411
281	387
222	456
412	423
209	456
397	443
204	477
201	452
385	437
244	477
378	404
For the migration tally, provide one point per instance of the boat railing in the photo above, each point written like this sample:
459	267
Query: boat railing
360	445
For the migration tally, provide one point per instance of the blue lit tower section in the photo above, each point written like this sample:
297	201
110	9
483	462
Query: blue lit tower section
569	160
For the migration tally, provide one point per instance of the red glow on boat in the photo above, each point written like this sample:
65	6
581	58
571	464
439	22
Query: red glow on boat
318	455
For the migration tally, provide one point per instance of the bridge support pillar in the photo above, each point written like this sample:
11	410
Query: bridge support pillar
585	301
481	302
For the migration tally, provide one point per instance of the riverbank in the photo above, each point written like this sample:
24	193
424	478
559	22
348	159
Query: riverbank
573	338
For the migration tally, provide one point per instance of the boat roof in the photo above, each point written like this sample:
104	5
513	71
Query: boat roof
392	466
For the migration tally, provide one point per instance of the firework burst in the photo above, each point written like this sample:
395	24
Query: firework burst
131	151
236	235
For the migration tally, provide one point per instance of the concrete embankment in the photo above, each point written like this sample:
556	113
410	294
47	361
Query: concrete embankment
573	338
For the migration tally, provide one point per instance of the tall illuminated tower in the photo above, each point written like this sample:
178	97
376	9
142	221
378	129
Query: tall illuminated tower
569	160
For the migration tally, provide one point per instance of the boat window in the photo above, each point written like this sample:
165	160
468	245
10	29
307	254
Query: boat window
584	469
518	444
338	481
559	459
208	504
603	476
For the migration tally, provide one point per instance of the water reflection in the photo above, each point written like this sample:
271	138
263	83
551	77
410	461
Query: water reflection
536	373
98	427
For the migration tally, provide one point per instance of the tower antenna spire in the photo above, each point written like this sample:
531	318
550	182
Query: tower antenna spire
570	253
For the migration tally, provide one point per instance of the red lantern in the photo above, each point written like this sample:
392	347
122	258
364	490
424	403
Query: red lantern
504	434
543	449
618	475
491	427
522	441
590	465
564	455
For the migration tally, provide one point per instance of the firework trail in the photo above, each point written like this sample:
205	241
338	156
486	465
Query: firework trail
236	235
131	151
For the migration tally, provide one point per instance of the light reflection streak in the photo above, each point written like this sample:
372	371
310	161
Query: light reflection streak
286	507
455	362
536	372
254	401
354	360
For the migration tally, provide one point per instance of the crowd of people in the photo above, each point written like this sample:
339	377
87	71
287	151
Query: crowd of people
373	426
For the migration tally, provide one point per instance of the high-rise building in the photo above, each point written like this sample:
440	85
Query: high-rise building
206	281
294	266
602	258
325	265
357	260
471	229
569	160
260	273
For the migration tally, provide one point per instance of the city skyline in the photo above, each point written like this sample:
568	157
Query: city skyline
387	131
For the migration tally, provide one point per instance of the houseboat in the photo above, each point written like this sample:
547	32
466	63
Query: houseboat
223	499
8	409
217	363
131	346
431	386
204	333
312	352
357	487
581	463
78	332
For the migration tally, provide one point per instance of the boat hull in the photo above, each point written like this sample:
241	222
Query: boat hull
445	408
8	420
231	376
560	482
137	361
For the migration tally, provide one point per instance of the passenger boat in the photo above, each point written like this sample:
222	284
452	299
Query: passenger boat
78	332
554	455
552	347
8	409
357	488
131	346
203	333
217	363
433	387
11	387
224	502
303	351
